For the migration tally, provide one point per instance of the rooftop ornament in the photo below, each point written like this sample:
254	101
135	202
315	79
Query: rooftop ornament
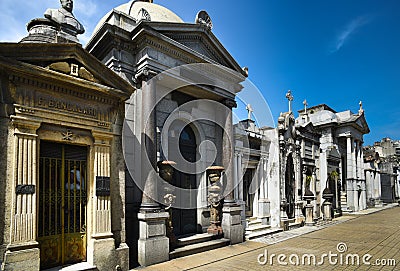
58	26
290	98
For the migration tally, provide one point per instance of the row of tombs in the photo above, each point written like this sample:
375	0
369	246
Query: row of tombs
125	153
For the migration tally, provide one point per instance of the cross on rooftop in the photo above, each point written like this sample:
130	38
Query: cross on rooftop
290	98
249	111
305	106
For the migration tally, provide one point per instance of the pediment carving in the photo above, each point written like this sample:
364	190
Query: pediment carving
73	69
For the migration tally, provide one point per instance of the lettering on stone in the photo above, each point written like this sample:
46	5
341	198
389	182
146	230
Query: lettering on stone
25	189
102	186
66	106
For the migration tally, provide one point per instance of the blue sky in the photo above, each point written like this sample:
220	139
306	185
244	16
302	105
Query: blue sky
334	51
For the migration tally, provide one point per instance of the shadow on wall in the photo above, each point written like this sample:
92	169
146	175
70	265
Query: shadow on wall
132	201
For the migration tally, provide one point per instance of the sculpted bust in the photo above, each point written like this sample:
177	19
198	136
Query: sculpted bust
64	17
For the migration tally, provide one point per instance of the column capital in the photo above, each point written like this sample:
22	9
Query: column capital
229	103
25	127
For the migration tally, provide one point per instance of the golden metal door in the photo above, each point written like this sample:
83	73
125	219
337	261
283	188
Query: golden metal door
62	204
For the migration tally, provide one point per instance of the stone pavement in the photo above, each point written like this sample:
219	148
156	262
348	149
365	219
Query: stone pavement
374	231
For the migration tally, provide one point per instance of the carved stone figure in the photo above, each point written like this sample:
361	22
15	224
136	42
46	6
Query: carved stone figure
65	19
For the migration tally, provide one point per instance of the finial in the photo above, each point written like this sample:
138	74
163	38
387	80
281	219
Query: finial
305	106
249	111
290	98
361	107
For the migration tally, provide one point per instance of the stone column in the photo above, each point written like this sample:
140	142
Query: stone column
235	176
349	160
283	202
263	202
231	212
363	198
22	249
362	173
354	158
101	242
153	244
369	185
240	199
101	203
349	175
355	197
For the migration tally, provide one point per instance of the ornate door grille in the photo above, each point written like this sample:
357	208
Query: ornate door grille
62	204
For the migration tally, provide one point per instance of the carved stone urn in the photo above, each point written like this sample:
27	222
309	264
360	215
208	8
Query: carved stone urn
214	199
166	171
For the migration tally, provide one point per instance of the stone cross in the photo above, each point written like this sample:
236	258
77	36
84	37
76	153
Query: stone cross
290	98
361	107
249	111
305	106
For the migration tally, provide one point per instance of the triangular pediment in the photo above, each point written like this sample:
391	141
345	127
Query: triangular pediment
67	59
199	40
361	124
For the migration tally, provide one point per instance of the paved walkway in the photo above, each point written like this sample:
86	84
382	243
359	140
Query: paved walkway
345	239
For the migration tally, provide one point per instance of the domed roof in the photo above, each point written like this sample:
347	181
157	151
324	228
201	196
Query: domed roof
323	116
140	10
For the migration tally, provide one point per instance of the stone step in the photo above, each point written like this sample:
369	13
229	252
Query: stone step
256	228
262	233
294	225
83	266
197	248
197	238
253	222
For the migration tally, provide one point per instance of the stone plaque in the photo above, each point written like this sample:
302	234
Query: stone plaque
25	189
102	186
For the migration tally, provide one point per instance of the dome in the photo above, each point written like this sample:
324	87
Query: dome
324	116
140	10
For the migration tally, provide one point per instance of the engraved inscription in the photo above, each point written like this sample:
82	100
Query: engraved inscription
102	186
66	106
24	189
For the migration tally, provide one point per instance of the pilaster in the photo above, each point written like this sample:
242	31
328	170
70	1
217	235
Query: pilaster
22	251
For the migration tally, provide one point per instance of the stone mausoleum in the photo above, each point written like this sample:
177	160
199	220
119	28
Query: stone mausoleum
94	139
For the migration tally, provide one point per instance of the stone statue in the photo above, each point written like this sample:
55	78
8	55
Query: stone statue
65	19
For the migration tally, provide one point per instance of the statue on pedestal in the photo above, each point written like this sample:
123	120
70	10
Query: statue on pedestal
64	18
58	26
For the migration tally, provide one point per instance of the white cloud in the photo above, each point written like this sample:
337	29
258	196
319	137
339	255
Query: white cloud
349	30
15	14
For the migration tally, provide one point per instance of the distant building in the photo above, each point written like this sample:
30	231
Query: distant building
320	151
382	163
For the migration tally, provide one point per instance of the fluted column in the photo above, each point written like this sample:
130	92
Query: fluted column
354	158
22	251
101	201
349	160
23	228
349	174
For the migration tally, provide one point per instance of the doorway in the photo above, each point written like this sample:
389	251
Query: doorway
290	187
184	220
62	204
249	198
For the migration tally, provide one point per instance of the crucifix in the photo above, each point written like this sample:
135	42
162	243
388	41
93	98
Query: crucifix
305	106
249	111
290	98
